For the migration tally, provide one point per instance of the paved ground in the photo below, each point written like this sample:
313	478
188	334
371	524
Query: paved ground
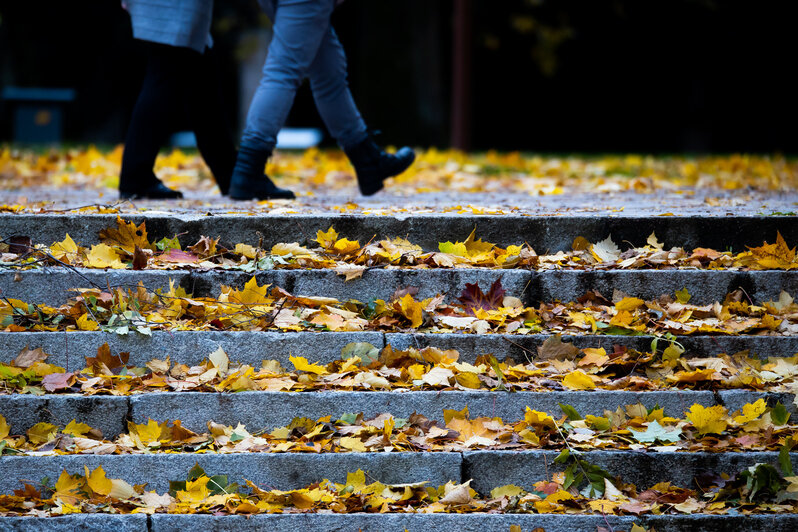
621	203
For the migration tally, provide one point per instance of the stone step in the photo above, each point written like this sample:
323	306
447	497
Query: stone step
68	349
475	522
543	233
286	471
268	410
54	285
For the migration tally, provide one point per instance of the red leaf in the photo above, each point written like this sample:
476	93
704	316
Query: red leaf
175	255
58	381
139	259
473	298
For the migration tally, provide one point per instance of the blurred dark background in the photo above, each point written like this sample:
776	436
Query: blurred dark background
657	76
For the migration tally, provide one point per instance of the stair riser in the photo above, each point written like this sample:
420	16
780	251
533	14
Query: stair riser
552	233
53	286
268	410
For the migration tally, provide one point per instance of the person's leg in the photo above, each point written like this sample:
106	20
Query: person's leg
328	81
339	112
150	125
299	28
204	106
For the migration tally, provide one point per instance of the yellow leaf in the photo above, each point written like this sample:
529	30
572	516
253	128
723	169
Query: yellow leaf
357	480
76	429
708	420
472	248
126	235
683	296
411	309
346	247
578	380
147	434
246	250
468	379
85	323
629	303
102	256
533	417
42	433
353	444
302	364
5	429
751	411
327	239
510	490
66	487
98	482
291	249
652	241
251	294
64	249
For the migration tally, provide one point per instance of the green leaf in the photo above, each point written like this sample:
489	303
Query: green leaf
195	472
656	432
570	411
348	419
218	484
785	463
165	244
780	415
366	352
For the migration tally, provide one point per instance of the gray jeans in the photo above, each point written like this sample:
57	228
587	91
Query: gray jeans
304	45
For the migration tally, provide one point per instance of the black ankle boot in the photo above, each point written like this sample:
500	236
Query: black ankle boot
156	190
373	165
249	181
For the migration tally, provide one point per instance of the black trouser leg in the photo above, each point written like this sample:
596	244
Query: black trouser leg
152	120
210	123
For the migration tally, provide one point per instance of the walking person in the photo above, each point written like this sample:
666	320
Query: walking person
180	86
304	45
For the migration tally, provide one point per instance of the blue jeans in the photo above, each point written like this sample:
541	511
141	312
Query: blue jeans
304	45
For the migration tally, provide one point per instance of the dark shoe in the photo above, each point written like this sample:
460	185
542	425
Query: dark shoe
373	165
249	181
154	191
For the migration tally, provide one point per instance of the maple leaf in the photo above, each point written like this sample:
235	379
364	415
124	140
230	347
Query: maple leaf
473	298
606	250
326	239
66	250
58	381
98	482
251	294
708	420
126	236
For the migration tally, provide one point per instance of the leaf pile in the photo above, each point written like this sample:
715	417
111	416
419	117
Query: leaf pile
262	307
755	428
363	367
760	489
433	171
127	246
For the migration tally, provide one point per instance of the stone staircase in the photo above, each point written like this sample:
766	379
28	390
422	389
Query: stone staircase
264	409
